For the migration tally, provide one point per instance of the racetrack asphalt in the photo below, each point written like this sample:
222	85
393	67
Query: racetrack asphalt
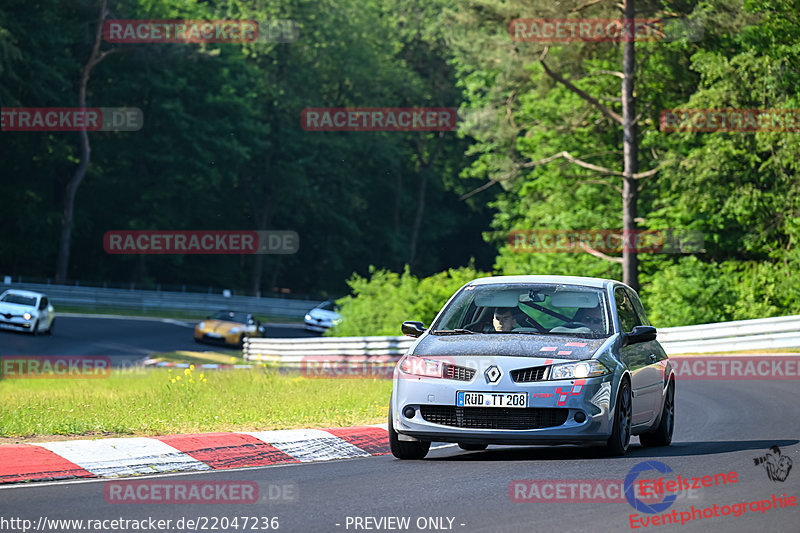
722	426
124	339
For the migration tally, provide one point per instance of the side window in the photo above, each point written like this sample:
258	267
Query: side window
627	314
637	306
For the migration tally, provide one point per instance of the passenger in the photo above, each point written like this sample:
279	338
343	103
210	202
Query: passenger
590	316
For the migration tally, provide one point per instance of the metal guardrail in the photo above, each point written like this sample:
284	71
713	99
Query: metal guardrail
759	334
291	352
142	300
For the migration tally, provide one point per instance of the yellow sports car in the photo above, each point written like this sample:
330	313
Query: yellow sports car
228	327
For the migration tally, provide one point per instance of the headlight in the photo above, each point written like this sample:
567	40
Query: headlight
418	366
201	325
27	316
235	330
308	317
583	369
336	321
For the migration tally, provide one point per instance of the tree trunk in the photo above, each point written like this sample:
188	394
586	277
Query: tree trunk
71	189
423	185
630	194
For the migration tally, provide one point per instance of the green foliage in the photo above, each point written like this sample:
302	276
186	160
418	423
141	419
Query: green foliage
381	303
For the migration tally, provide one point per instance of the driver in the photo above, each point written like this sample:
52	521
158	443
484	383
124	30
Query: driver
503	319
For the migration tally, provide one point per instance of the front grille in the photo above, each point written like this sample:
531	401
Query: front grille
459	373
493	417
526	375
16	324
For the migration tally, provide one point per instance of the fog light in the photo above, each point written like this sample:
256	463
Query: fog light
409	412
580	417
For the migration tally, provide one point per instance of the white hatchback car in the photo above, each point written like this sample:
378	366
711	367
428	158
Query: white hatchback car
26	311
322	317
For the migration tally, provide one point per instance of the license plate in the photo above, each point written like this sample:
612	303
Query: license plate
491	399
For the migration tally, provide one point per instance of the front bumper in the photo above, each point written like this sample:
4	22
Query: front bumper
16	325
212	338
558	412
318	327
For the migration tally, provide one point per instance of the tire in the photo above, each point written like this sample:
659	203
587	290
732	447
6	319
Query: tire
52	325
35	329
662	436
472	447
620	439
404	449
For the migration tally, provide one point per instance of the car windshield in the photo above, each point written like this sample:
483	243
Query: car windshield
19	299
545	309
230	316
328	306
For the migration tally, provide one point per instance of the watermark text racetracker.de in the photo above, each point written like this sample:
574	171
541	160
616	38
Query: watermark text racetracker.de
730	120
180	492
54	367
779	367
200	31
582	490
201	242
660	241
194	523
71	119
379	119
558	30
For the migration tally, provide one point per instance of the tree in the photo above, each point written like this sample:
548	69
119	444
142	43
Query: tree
72	185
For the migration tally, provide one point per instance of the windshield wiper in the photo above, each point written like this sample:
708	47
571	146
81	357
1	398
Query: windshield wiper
459	331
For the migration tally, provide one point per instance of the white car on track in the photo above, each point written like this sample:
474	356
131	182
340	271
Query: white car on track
26	311
322	317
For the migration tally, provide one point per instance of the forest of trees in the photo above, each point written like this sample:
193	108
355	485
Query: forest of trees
558	135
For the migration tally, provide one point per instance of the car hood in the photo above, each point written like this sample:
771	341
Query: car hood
17	309
548	346
323	314
221	326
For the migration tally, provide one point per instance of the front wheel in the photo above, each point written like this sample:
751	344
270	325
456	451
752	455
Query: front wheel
52	325
662	436
406	449
620	439
35	329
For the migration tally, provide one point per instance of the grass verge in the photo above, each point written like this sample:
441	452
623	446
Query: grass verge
159	401
222	357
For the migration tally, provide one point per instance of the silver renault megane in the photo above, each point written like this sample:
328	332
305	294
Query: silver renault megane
533	360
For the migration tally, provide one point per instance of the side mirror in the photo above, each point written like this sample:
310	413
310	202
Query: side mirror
413	329
640	334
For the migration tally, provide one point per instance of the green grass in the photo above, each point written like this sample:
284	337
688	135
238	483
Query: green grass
158	313
158	401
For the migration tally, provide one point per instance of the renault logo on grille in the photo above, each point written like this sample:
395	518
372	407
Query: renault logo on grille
492	374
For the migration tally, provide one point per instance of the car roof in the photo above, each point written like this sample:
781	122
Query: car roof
598	283
23	293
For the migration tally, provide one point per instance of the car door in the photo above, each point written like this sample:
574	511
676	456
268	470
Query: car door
44	314
656	355
637	358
